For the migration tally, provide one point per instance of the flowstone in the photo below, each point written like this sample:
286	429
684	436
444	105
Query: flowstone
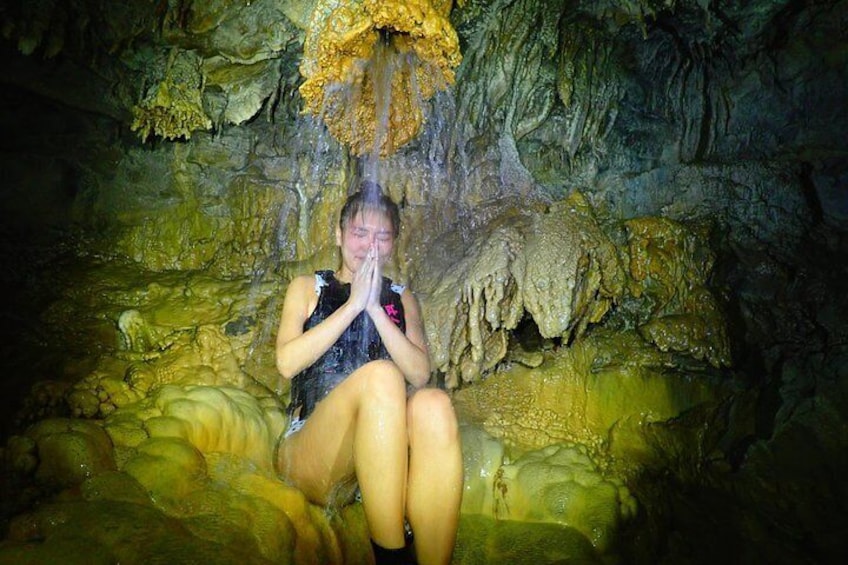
605	385
557	484
194	460
561	484
669	266
557	264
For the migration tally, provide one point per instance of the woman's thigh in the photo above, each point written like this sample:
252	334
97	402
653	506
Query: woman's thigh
319	457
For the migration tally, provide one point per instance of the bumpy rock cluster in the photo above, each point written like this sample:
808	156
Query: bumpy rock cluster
193	482
173	108
557	484
669	266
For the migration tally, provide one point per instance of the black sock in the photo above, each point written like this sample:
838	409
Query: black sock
399	556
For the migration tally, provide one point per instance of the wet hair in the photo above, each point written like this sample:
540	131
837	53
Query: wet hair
370	197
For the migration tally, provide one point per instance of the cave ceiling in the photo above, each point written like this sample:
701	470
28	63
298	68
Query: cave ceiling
238	58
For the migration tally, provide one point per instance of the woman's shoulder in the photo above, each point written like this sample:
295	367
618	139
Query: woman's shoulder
301	280
302	284
302	292
311	284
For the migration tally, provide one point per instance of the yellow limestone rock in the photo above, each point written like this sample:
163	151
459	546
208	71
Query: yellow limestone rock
174	107
221	419
168	468
201	357
556	264
212	419
670	265
561	484
370	65
602	382
69	451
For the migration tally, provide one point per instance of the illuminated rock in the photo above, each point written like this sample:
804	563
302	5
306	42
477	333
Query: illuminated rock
211	419
137	334
605	384
246	87
116	486
482	457
169	469
669	266
197	465
173	108
557	265
557	484
487	540
213	502
69	451
560	268
561	484
219	419
203	356
370	65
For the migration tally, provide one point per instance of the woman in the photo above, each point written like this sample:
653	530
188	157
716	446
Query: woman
352	341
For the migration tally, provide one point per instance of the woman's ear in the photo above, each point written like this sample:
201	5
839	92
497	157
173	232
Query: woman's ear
339	236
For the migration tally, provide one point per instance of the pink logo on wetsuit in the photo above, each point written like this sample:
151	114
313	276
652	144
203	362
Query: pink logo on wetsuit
392	312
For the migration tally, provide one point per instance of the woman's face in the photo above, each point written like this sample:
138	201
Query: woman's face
365	230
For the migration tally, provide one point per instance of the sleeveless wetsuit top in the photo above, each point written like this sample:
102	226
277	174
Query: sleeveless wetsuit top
359	344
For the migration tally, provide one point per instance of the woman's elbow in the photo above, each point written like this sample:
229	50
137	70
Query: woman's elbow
421	377
285	369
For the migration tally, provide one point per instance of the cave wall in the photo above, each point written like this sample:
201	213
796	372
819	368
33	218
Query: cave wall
730	114
638	104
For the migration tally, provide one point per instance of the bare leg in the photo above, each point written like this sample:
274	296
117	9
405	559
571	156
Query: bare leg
381	457
435	475
359	428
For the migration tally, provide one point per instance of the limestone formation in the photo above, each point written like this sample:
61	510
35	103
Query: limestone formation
67	452
669	266
561	484
169	501
557	265
556	484
142	280
369	67
198	458
606	384
213	419
205	356
587	83
173	108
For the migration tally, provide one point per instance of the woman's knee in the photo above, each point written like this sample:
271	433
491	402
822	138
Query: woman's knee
381	380
431	415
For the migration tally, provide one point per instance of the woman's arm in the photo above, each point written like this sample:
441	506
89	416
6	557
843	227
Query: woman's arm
409	350
296	349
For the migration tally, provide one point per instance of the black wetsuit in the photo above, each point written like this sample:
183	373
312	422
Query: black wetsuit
359	344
